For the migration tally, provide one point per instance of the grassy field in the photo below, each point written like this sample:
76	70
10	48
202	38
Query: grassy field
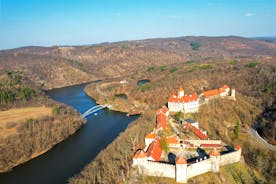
9	120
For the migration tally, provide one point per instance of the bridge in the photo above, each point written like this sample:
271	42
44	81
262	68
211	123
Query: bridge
94	109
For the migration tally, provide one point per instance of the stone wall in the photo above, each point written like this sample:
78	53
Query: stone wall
157	169
230	158
199	168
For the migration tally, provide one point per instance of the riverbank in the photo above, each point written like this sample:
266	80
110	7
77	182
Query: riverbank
125	105
33	137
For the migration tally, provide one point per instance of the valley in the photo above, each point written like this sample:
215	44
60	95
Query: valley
195	63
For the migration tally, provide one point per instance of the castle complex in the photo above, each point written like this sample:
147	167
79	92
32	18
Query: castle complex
191	103
186	151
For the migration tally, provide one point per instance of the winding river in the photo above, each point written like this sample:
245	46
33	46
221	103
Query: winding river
69	157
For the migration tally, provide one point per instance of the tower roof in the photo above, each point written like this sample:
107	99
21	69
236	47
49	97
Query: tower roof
180	89
180	160
214	152
237	147
154	151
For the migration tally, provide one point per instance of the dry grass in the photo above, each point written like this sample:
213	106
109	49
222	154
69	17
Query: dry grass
10	119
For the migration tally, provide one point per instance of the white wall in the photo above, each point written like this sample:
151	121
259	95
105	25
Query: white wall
158	169
198	142
151	168
230	158
199	168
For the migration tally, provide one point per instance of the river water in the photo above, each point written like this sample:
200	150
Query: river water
70	156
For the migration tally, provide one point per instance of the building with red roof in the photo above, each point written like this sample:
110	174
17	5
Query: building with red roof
161	117
161	121
149	138
190	103
199	133
184	103
154	151
221	92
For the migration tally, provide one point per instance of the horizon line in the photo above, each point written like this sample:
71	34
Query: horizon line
131	40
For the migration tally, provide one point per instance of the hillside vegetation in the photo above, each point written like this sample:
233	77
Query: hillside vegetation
223	119
52	67
196	63
30	122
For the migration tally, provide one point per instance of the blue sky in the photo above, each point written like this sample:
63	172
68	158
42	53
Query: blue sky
76	22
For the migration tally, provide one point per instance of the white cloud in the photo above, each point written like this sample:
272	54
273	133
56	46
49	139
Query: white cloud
249	14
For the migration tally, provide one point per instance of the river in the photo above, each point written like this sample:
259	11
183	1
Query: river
70	156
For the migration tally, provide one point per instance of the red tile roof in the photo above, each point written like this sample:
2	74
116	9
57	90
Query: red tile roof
184	99
151	136
211	93
210	145
199	133
172	140
154	151
215	92
221	90
237	147
180	160
161	120
164	110
173	98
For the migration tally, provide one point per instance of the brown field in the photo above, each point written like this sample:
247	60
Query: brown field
9	119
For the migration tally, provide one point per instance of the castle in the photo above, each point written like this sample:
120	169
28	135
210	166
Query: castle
188	152
191	103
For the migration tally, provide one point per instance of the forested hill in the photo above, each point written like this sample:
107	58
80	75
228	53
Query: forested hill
51	67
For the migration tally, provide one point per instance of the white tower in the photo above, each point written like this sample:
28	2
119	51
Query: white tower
180	170
215	157
233	94
180	92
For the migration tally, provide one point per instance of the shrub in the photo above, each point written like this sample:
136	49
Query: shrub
145	87
237	129
25	93
164	144
195	45
179	115
205	67
174	69
190	62
151	68
55	110
233	62
252	64
162	68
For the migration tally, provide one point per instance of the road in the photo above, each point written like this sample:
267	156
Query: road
255	134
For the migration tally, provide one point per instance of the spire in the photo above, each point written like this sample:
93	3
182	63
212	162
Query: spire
180	92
